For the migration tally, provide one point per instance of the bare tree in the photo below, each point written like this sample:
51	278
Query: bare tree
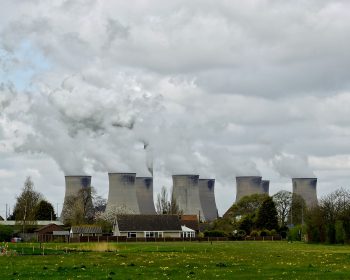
166	206
25	208
283	202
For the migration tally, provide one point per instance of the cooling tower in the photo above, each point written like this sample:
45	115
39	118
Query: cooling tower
248	185
207	199
144	193
306	188
265	184
122	193
73	185
186	194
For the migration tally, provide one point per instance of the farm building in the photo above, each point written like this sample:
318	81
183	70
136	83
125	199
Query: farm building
51	232
147	226
80	231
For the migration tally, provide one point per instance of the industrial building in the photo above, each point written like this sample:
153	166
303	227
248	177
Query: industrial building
73	185
207	199
265	184
186	193
144	194
306	188
248	185
122	196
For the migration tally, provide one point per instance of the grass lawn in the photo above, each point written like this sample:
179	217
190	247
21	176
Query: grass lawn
220	260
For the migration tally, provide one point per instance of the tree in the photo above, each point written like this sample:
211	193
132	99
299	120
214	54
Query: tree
247	205
283	202
6	233
329	221
297	211
100	204
79	208
267	215
162	204
166	206
25	207
44	211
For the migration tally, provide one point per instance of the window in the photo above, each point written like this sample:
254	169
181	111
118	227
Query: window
131	234
153	234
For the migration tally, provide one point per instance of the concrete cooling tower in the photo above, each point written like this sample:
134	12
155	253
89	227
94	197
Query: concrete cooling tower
265	184
73	185
186	193
122	193
306	188
248	185
207	199
144	193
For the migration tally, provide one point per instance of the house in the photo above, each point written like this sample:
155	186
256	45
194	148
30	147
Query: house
190	221
49	233
147	226
86	230
187	232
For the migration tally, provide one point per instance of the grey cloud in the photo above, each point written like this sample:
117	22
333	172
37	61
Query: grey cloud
219	88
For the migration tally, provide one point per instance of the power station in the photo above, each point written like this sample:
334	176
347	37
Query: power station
265	184
248	185
73	185
207	199
306	188
129	194
122	196
144	194
186	193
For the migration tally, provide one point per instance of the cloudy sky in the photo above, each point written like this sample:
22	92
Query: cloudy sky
218	88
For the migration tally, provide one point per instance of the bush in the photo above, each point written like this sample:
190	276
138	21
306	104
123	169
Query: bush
239	234
6	233
265	232
339	232
295	233
273	232
214	233
254	233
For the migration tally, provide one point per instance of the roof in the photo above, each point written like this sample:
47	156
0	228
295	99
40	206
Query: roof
186	229
86	229
148	223
190	221
49	227
35	223
60	233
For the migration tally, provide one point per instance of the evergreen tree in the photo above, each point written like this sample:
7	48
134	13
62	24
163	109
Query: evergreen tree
45	211
267	215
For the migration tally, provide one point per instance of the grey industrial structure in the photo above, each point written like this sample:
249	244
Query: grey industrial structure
248	185
265	184
73	185
207	199
186	193
144	194
306	188
122	193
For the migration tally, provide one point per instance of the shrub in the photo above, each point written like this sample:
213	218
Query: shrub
214	233
339	232
273	232
265	232
254	233
5	233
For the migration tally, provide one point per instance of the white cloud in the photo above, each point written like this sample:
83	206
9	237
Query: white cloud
219	88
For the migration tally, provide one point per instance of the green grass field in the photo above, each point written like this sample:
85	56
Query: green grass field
221	260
